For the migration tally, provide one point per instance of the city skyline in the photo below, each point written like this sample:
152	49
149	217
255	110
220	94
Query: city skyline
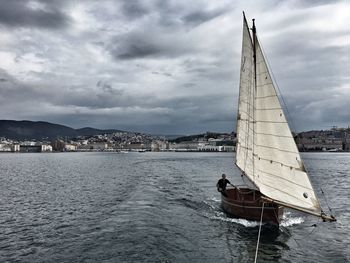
168	67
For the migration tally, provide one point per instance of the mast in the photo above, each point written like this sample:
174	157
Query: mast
254	51
254	96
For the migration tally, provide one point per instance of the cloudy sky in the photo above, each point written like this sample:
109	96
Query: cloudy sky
168	66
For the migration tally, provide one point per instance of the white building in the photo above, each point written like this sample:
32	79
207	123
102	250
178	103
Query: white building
70	147
184	146
15	147
45	148
4	147
159	146
95	146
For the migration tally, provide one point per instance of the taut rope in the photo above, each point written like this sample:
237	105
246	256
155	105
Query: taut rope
257	244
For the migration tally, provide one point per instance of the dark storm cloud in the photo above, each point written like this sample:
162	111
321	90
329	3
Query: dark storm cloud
200	16
14	91
145	44
21	13
136	48
107	88
163	34
175	112
313	67
175	14
167	66
134	9
162	73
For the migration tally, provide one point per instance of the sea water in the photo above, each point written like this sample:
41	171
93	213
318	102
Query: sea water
156	207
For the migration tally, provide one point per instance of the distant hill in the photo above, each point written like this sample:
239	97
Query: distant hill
168	136
188	138
196	137
21	130
92	131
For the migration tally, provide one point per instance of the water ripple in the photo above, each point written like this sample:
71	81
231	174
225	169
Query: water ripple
154	207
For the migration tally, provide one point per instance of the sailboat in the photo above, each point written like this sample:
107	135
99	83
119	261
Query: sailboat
266	151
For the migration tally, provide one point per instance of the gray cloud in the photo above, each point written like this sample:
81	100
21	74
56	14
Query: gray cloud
31	14
167	66
134	9
144	44
199	16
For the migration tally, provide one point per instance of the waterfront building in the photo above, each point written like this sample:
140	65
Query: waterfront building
158	145
46	148
184	146
28	148
5	147
15	147
70	147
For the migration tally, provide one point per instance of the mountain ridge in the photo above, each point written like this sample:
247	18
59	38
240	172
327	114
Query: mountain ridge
25	129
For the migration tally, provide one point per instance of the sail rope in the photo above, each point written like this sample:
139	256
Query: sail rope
325	198
257	244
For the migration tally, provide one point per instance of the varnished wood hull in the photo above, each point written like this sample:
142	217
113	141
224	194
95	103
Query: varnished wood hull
246	203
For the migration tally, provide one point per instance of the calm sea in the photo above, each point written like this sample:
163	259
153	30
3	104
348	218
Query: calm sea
156	207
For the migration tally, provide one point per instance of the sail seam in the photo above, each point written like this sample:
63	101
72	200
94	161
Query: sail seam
244	147
275	148
246	113
271	121
285	179
270	134
244	132
284	193
267	134
263	73
266	84
268	96
269	109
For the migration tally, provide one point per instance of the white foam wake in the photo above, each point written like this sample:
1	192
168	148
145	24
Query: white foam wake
215	199
221	216
289	220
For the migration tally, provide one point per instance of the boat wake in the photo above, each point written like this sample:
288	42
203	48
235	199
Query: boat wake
215	213
221	216
289	220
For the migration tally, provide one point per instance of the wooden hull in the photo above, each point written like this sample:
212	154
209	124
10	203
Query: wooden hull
246	203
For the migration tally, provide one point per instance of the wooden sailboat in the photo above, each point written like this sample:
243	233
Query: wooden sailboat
266	151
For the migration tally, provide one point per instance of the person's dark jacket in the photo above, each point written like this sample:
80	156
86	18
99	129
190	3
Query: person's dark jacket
222	183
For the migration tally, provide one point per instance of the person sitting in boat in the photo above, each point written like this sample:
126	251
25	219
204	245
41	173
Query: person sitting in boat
221	185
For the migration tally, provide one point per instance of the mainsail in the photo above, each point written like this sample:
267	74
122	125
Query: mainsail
266	151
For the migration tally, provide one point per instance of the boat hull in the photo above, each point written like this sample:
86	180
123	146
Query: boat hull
247	203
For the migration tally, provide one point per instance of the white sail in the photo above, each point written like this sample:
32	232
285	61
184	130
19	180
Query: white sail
245	117
274	164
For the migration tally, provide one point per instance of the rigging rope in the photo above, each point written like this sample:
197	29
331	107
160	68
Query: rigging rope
330	209
257	244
